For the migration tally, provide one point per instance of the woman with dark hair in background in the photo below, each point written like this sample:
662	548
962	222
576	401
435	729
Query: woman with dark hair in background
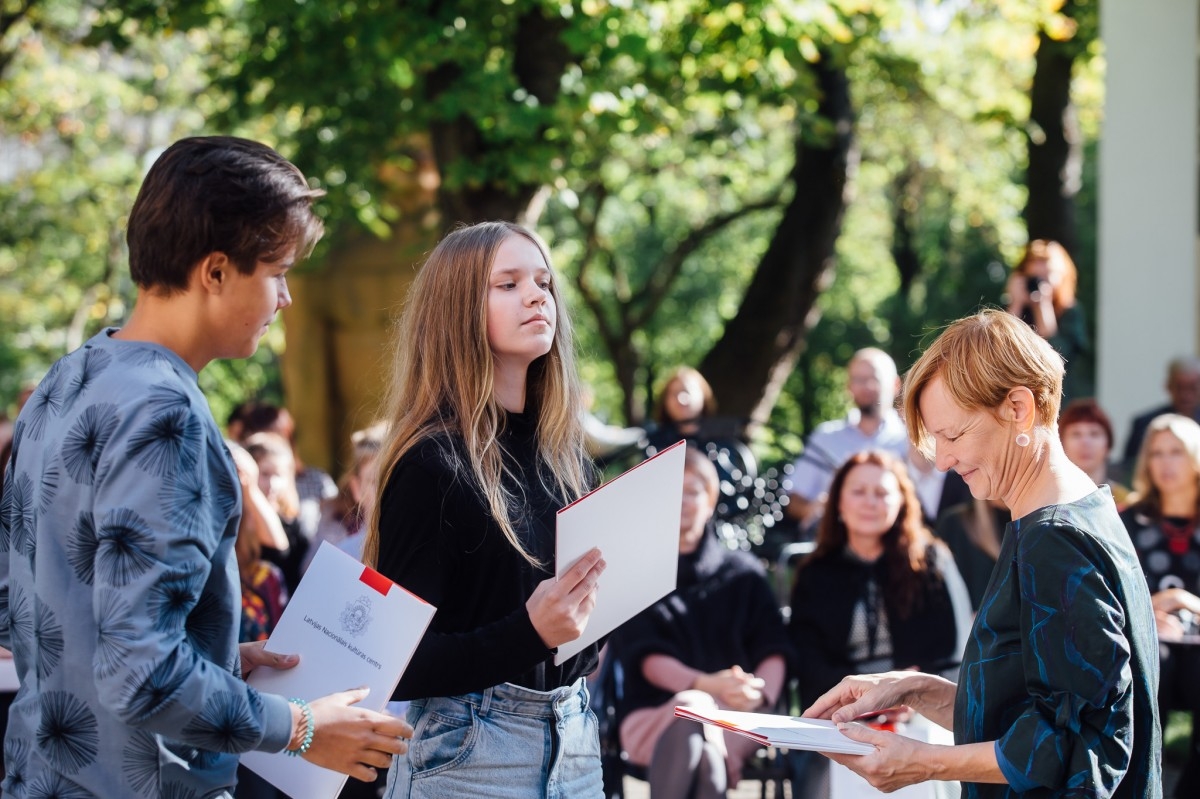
686	409
879	592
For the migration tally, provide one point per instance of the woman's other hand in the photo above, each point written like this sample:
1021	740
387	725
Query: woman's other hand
896	762
868	695
1173	600
254	654
559	609
350	739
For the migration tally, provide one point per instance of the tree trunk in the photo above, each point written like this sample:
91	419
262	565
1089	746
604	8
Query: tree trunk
539	59
904	195
749	364
1055	151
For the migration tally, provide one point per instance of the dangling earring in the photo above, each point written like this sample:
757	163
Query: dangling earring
1023	439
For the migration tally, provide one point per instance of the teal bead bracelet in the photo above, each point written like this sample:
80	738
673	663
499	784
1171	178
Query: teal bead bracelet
307	717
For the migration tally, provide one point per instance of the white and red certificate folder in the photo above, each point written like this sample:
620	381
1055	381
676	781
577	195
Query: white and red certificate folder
786	732
634	520
351	626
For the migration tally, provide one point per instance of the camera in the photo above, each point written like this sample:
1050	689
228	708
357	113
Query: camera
1033	284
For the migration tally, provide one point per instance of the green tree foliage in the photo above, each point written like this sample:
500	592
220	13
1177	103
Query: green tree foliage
497	85
78	125
936	217
659	137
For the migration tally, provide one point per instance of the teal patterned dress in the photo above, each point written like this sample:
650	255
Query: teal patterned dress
1061	667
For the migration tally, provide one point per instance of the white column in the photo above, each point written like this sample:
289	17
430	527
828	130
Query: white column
1147	294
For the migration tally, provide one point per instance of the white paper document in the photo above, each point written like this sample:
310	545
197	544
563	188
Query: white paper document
634	520
351	626
787	732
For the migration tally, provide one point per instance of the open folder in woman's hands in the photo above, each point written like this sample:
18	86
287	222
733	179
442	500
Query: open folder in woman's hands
786	732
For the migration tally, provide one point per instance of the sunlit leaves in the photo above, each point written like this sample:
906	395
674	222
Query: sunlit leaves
79	121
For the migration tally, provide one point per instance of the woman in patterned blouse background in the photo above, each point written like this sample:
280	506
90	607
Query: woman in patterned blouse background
1161	520
1056	695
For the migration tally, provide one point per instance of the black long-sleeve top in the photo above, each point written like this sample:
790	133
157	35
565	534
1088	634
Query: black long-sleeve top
438	540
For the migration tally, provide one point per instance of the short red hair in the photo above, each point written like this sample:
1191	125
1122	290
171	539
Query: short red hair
1085	410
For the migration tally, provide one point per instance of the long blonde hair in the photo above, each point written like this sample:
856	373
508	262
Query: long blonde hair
443	380
1147	497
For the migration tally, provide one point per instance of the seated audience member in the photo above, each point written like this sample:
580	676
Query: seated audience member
258	514
313	486
686	409
263	590
344	516
684	402
1162	522
1087	438
973	530
872	423
878	593
716	641
277	481
1041	290
1183	388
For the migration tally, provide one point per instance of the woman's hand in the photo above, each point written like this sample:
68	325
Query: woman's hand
1173	600
559	609
1168	626
1174	608
352	740
896	762
733	688
867	695
254	655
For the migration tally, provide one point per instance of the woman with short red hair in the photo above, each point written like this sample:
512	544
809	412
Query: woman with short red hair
1087	438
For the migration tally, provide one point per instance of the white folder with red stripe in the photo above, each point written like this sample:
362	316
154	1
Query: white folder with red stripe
634	520
351	627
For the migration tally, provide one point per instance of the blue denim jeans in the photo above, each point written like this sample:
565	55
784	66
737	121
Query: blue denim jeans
506	742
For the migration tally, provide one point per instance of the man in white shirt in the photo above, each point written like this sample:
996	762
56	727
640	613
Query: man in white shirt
871	424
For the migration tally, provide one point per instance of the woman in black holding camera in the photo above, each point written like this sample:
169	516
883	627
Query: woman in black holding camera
1041	290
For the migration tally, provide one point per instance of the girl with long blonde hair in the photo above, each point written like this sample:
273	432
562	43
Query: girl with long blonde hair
485	445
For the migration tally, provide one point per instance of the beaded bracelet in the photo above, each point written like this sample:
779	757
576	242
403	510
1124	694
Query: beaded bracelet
307	717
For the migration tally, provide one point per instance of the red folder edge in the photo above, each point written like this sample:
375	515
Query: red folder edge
376	580
724	725
601	487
